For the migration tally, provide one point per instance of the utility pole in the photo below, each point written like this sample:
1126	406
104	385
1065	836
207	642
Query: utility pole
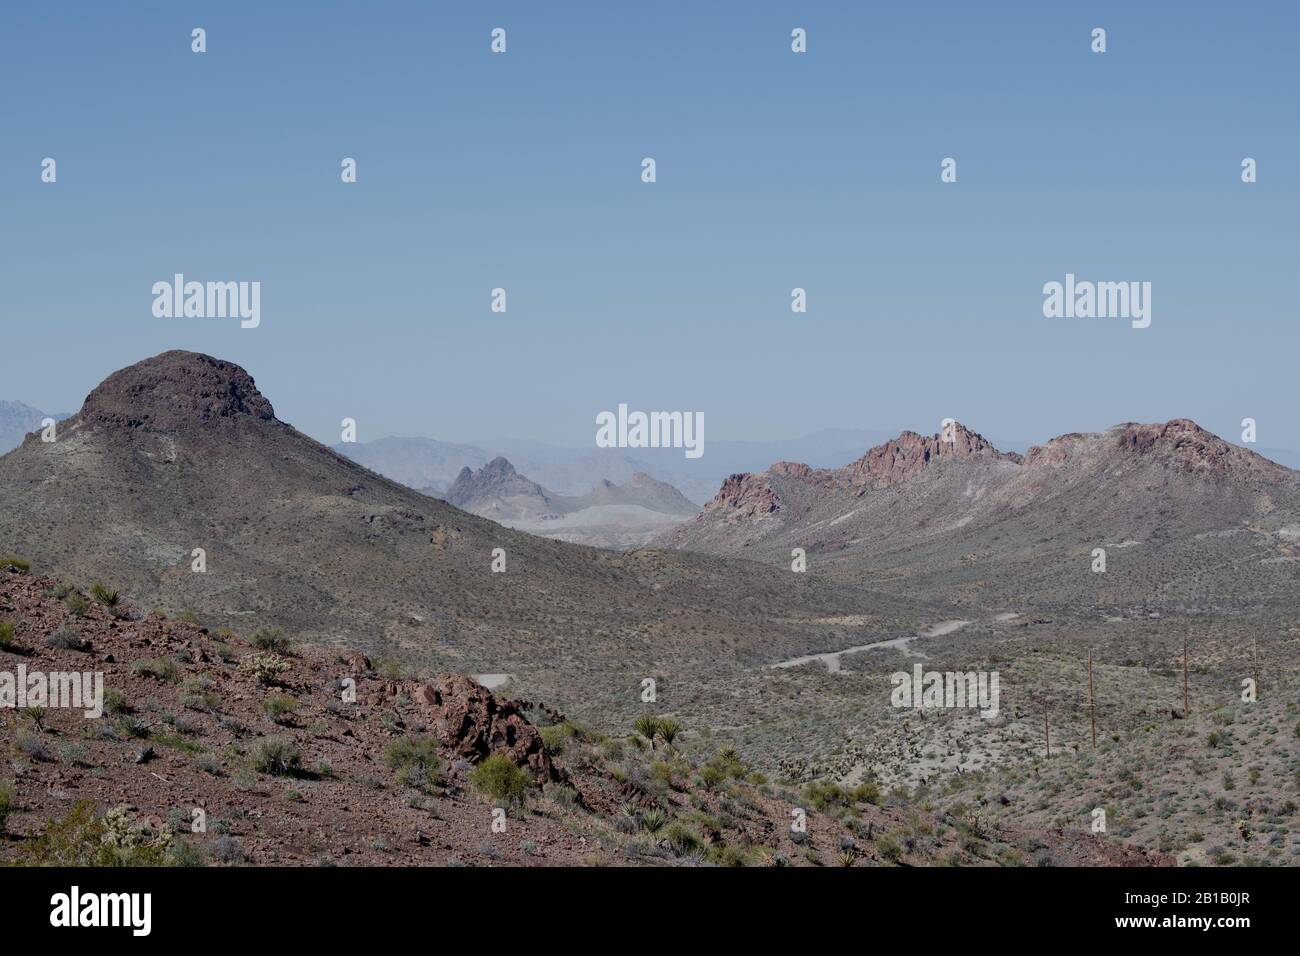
1047	732
1092	707
1187	712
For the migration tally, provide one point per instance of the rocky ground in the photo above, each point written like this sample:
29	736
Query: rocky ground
260	741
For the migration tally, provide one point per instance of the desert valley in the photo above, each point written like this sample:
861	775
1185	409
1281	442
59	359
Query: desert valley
332	664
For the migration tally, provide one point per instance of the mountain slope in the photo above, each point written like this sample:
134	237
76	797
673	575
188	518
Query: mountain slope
1186	509
182	451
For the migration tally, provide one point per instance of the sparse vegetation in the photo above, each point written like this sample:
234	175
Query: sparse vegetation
278	757
416	761
498	779
271	640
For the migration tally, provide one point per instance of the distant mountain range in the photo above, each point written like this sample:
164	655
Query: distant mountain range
17	419
1184	511
610	515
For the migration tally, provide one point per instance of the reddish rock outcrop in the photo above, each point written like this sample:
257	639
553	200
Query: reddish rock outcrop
904	457
470	720
743	496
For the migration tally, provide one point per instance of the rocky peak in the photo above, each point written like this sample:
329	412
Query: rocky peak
904	457
175	391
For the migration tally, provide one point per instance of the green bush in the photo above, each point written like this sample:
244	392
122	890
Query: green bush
416	761
271	639
76	603
7	640
682	839
6	804
280	758
555	736
498	779
82	839
11	562
161	668
279	707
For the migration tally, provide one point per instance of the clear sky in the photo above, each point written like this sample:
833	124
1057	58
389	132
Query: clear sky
775	170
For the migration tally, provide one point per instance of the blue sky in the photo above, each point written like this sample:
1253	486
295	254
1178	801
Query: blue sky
775	170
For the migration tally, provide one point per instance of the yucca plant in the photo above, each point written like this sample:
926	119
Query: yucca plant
648	727
103	595
653	820
668	730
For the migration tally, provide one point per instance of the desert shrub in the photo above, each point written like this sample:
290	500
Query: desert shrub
196	694
188	616
555	736
35	748
279	758
103	595
115	702
279	707
498	779
270	639
76	603
6	804
67	639
7	640
889	849
267	668
416	761
11	562
682	840
82	839
160	668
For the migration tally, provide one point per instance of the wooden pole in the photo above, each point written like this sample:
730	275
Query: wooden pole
1092	707
1187	711
1254	653
1047	732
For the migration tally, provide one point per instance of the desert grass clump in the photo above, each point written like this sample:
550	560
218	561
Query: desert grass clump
278	757
67	639
555	736
8	642
11	562
415	758
499	780
271	640
6	803
280	707
682	840
77	604
159	668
